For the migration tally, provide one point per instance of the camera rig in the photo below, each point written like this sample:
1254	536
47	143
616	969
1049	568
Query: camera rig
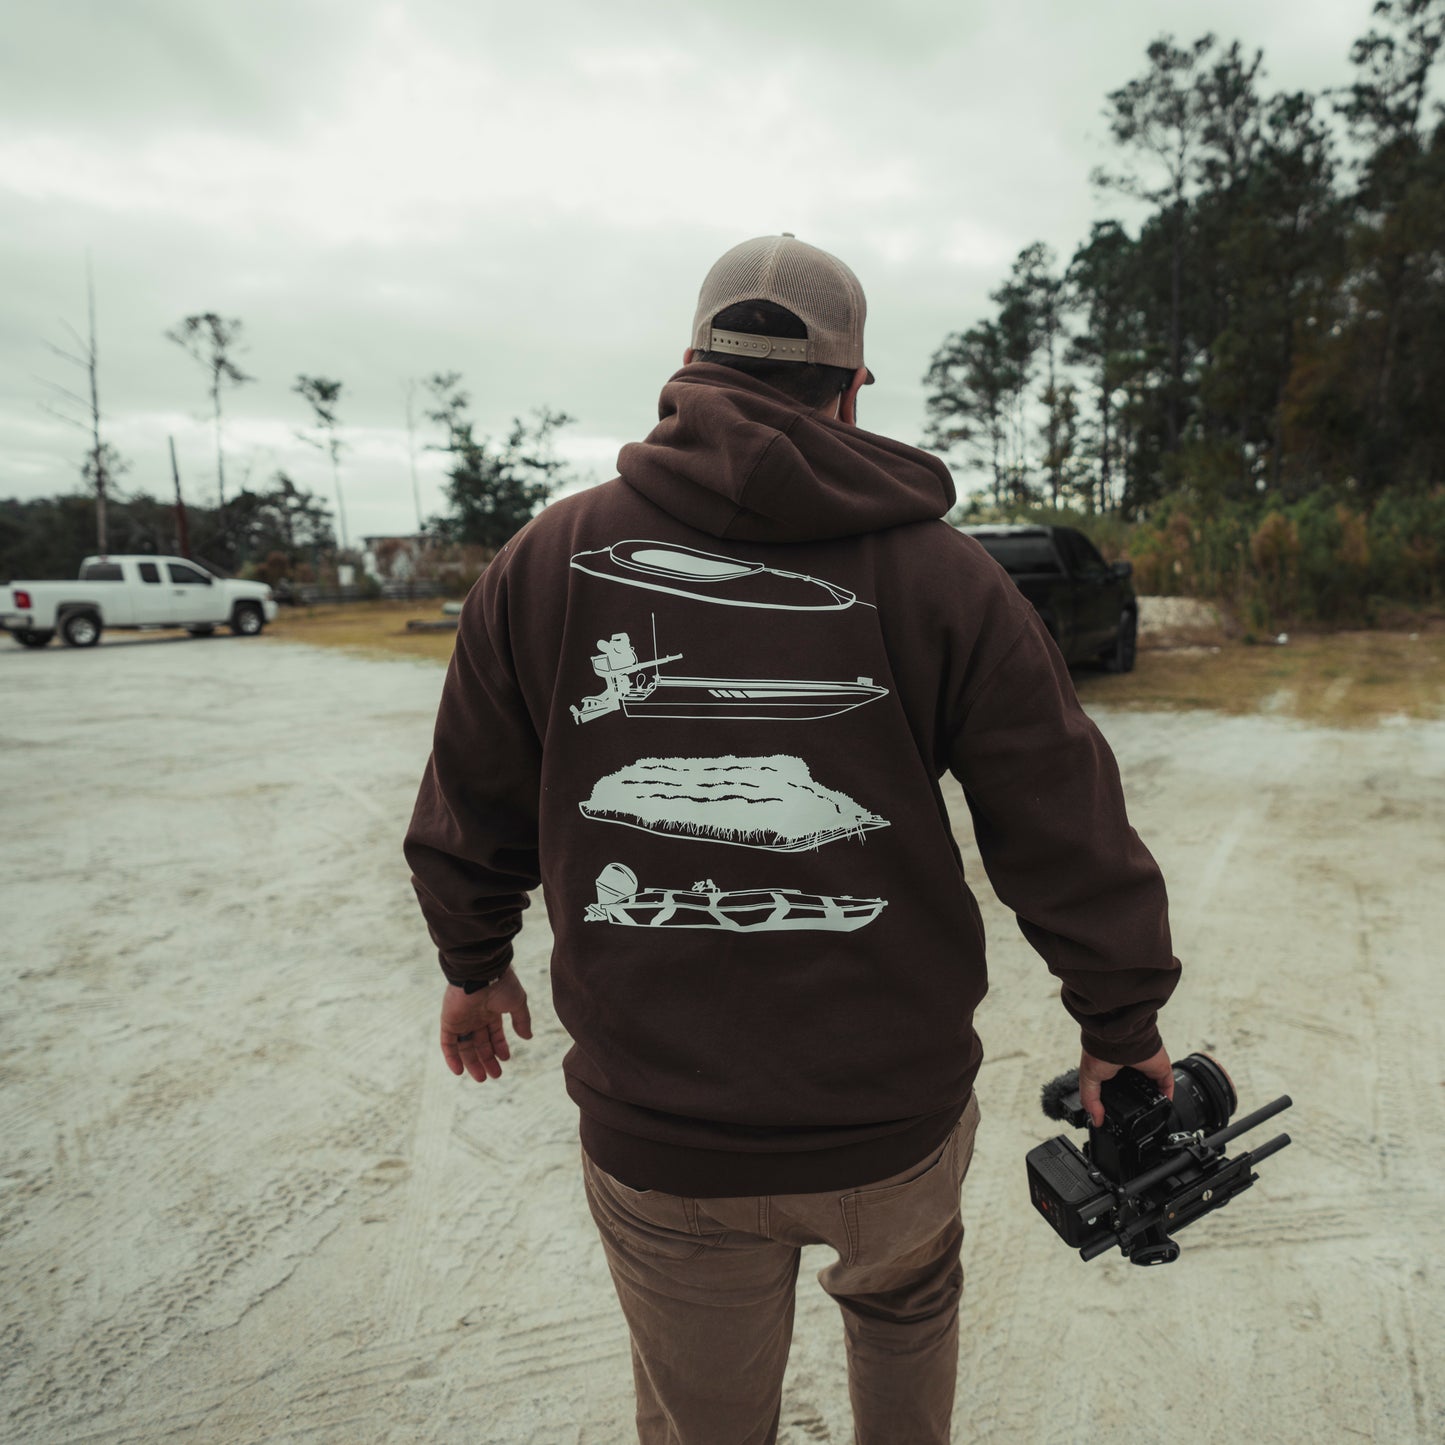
1152	1167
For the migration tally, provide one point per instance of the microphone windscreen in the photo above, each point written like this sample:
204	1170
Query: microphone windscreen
1056	1091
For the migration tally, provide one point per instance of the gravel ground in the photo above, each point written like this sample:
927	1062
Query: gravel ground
243	1201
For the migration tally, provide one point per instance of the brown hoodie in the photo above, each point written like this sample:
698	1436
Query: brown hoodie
707	706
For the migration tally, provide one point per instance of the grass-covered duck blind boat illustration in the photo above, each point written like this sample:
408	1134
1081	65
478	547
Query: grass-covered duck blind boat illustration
731	582
739	910
639	688
769	802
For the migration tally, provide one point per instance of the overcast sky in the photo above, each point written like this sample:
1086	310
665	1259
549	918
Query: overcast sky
527	194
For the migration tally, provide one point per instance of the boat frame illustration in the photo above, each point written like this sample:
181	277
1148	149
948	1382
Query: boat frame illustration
710	577
639	688
740	910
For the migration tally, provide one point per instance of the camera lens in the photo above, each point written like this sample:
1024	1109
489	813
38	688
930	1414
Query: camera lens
1204	1097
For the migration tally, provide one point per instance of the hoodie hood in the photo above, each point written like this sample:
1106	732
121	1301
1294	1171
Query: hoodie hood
733	457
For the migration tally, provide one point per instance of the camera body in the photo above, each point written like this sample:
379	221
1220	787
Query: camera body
1152	1167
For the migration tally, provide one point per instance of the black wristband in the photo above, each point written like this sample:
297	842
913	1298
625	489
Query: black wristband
476	985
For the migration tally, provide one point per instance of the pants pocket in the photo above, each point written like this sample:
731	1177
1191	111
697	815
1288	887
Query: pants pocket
642	1221
889	1220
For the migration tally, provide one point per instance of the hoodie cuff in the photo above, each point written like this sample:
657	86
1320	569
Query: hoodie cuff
488	973
476	985
1133	1050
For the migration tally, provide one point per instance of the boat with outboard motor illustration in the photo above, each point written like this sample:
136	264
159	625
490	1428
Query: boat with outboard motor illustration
741	910
708	577
639	688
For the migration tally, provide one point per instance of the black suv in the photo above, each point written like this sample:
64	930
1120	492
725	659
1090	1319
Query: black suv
1088	606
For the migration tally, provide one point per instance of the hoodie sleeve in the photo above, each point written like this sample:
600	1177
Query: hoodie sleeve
1048	813
472	843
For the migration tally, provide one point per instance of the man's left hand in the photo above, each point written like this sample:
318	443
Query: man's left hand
1094	1072
473	1035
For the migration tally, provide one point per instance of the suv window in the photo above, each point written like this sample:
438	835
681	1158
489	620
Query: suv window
149	572
1027	553
102	572
181	573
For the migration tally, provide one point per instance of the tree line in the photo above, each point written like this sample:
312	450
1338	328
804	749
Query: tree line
1240	390
1273	326
279	531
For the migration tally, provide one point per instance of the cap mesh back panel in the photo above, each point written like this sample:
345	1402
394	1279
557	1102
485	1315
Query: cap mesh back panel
817	287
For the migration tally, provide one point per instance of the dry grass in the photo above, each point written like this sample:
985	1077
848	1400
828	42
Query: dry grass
374	629
1343	678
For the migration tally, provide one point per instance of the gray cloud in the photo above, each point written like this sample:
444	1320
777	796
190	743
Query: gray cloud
529	195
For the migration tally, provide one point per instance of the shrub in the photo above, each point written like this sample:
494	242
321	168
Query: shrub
1275	550
1326	557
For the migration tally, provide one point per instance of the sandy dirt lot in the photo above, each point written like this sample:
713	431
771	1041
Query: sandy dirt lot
243	1201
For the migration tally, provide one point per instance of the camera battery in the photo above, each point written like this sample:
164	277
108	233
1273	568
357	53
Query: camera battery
1062	1191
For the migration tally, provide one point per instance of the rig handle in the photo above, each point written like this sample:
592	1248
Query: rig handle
1244	1125
1098	1247
1265	1150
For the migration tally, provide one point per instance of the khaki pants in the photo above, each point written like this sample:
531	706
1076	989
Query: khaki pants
707	1288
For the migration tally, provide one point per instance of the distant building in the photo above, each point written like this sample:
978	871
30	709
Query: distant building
394	559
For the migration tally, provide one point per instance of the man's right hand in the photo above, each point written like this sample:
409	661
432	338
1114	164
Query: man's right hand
474	1039
1093	1072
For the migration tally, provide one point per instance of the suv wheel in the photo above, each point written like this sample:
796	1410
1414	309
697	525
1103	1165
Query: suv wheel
246	620
81	629
32	638
1120	657
203	630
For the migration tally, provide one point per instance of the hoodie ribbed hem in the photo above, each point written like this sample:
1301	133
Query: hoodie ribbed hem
726	1174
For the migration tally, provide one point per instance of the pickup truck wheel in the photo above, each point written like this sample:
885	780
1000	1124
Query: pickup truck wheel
246	620
32	638
1120	657
203	631
80	629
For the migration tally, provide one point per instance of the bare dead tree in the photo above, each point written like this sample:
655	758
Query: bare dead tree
103	463
212	342
323	395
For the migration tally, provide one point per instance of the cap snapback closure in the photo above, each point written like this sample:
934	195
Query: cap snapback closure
745	343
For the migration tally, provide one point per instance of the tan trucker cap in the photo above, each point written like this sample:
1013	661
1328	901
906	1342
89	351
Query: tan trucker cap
818	288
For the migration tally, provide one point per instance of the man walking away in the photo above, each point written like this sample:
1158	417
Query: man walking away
707	706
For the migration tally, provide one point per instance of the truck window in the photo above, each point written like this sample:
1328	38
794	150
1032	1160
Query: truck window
1022	554
189	575
102	572
1082	554
149	572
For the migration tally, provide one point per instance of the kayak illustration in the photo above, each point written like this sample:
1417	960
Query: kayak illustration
741	910
638	688
729	581
772	802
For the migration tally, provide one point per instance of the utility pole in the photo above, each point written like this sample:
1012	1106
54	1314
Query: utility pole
334	448
183	531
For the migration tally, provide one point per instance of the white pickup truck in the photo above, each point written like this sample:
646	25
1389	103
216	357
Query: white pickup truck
133	592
